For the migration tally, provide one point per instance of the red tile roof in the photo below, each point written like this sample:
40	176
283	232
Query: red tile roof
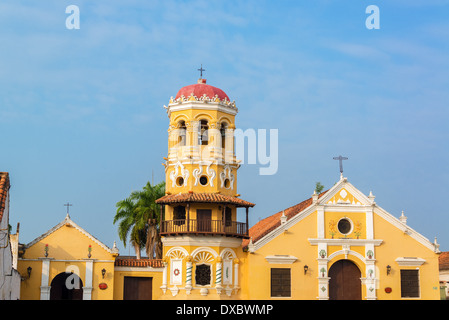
267	225
4	188
133	262
444	260
201	88
203	198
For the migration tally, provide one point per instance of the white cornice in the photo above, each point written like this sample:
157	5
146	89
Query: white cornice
281	259
210	241
350	242
410	261
201	106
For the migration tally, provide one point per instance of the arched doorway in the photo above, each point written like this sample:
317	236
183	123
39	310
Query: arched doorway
345	282
66	286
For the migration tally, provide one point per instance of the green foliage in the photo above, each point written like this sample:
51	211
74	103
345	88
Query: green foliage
139	217
319	187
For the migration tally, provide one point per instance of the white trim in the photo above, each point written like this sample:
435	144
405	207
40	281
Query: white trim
280	259
68	221
342	242
212	241
367	206
188	105
410	261
139	269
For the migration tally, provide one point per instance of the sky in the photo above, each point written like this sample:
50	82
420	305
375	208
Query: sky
82	115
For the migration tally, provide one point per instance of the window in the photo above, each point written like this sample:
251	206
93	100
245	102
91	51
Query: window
224	126
409	284
203	180
344	226
228	217
203	134
280	282
202	275
179	215
182	133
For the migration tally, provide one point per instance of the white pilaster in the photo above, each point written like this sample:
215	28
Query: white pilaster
45	287
87	289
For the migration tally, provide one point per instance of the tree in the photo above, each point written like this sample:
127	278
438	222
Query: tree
319	187
139	217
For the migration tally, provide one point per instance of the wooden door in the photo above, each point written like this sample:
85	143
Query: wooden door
137	288
204	217
345	282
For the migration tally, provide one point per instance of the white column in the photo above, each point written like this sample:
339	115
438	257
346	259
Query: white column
164	278
218	274
189	266
229	145
87	289
45	288
236	274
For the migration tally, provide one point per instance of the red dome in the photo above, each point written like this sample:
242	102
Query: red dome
201	88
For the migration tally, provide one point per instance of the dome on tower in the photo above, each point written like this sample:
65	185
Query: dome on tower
200	89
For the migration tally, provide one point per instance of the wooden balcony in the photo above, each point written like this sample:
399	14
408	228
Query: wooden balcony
204	227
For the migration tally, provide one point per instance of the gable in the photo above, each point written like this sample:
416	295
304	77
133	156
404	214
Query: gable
68	241
342	200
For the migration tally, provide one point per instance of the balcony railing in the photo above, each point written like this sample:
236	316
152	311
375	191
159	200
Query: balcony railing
183	226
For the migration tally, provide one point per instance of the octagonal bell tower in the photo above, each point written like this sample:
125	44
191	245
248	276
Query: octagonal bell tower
200	232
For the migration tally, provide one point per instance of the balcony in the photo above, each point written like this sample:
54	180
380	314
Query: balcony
204	227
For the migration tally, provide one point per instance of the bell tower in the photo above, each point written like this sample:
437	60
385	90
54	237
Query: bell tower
200	232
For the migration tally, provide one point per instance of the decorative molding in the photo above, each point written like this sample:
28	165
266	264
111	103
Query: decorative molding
342	242
174	174
410	261
227	174
213	241
281	259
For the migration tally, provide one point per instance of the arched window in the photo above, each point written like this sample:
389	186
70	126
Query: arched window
181	133
223	128
203	133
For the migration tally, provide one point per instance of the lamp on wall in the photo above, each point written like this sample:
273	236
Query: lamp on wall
306	268
388	269
29	271
103	272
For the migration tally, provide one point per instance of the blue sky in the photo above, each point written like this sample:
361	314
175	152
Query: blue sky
82	117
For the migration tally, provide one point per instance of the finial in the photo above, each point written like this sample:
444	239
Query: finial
283	217
403	218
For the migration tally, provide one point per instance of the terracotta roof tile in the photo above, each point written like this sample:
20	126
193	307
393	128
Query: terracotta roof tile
267	225
203	197
133	262
443	259
4	188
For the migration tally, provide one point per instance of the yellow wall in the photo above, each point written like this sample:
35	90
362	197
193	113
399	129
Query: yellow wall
294	242
68	250
121	273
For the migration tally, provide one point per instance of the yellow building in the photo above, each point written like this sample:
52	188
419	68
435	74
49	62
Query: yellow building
335	245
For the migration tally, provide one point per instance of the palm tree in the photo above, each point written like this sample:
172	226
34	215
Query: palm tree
140	218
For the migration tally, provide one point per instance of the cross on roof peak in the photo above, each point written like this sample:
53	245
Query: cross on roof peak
68	205
201	71
340	159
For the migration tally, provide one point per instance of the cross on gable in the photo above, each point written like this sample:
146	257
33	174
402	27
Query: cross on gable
340	159
68	205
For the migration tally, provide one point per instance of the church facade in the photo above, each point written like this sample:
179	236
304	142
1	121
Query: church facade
339	244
